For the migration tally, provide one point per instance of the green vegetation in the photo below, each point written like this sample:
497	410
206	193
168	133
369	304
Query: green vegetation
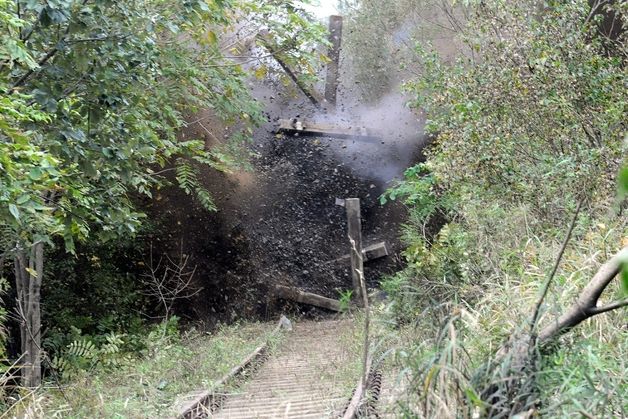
351	339
530	123
519	206
93	94
345	300
172	365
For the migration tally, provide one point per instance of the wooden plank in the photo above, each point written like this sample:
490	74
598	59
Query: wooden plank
294	294
371	252
375	251
354	221
335	39
268	43
307	128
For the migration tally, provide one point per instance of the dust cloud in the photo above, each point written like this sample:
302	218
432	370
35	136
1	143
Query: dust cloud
398	131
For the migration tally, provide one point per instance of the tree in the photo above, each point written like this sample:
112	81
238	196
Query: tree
531	118
379	39
93	93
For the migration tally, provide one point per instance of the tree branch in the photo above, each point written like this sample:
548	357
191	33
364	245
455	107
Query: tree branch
546	286
609	307
26	75
586	304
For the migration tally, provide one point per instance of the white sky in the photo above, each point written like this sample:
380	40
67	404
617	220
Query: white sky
323	8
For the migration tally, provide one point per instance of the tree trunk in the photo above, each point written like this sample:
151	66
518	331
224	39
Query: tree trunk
29	270
586	305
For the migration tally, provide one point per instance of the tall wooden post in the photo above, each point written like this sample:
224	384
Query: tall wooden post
357	274
335	38
354	220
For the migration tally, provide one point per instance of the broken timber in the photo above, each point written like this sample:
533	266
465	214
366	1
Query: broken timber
269	44
306	128
293	294
372	252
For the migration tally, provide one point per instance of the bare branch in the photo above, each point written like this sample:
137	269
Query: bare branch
546	286
170	280
609	307
586	304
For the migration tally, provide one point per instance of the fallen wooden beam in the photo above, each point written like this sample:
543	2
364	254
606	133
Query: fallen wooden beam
303	127
374	251
293	294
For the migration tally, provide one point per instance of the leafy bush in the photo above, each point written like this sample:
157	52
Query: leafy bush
436	244
95	293
527	124
82	354
537	118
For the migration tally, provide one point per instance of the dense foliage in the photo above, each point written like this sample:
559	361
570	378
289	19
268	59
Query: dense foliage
110	84
526	124
93	94
542	107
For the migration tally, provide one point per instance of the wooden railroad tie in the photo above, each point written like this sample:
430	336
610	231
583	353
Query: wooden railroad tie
304	127
374	251
294	294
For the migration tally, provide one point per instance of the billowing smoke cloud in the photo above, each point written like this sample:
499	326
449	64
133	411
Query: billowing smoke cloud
398	131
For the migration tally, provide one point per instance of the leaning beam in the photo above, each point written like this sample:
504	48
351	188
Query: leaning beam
293	294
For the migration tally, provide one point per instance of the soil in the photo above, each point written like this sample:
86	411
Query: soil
278	224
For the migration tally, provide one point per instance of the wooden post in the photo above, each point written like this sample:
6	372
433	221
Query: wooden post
335	38
354	221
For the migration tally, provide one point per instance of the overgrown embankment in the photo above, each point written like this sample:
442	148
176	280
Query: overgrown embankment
529	125
171	366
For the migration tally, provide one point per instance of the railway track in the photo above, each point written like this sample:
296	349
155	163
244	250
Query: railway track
312	374
306	378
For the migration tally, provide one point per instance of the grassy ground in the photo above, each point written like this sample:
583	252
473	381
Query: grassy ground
584	375
150	387
351	340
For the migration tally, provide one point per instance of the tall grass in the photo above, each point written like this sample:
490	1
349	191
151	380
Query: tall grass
457	334
149	385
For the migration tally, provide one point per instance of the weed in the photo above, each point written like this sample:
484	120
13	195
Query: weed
345	300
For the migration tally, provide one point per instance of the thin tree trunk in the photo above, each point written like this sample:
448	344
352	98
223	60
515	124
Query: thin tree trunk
586	305
29	272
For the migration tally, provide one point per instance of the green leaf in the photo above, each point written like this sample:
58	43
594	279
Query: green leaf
623	182
14	211
162	384
22	199
35	173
